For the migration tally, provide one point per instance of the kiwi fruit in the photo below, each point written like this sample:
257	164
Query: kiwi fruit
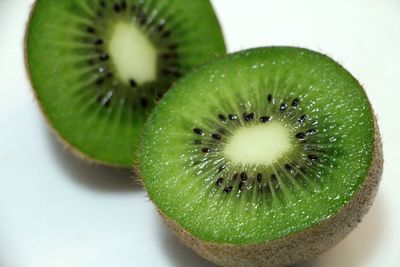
267	157
98	66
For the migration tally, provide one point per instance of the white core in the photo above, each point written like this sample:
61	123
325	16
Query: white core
133	54
258	144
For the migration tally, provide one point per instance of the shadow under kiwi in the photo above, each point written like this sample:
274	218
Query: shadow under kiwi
356	249
179	254
91	175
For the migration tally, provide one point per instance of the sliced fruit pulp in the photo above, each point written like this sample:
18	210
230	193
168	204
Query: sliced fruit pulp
181	161
83	82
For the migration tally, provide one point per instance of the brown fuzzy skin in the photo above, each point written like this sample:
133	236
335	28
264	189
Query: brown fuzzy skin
300	246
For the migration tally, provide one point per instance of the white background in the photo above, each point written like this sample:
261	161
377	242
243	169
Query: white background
56	210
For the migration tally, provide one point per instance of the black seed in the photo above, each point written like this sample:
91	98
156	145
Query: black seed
174	55
98	42
160	95
232	117
269	97
198	131
91	62
197	142
220	169
216	136
166	56
228	189
206	150
313	157
295	102
160	27
301	136
100	81
173	46
312	131
177	74
100	14
117	7
219	182
142	17
132	83
249	117
123	5
283	107
102	3
264	119
166	34
303	118
288	167
109	75
274	177
222	117
144	102
259	177
107	103
103	57
241	185
91	30
243	176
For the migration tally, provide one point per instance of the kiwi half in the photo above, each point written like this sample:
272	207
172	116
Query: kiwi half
98	66
265	158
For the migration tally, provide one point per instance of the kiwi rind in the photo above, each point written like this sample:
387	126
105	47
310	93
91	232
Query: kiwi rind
300	246
75	148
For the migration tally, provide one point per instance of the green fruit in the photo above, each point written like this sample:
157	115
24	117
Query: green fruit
265	158
97	67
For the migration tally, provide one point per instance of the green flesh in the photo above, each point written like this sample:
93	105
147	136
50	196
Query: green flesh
315	173
81	54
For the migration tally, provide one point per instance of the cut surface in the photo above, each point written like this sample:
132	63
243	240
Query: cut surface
259	144
197	164
98	66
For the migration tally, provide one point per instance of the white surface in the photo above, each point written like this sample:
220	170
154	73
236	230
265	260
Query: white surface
57	211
